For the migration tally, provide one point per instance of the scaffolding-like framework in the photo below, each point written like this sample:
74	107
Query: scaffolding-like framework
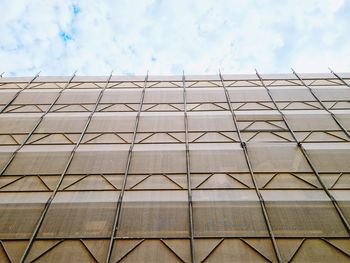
175	168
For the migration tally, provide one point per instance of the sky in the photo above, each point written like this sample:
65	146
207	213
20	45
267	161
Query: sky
168	36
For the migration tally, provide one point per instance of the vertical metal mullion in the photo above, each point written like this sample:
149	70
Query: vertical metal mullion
257	190
35	127
19	92
121	195
313	168
340	78
49	201
188	171
323	106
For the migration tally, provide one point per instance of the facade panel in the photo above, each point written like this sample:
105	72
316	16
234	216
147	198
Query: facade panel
245	168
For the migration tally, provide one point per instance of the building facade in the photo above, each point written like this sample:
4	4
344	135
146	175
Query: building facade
222	168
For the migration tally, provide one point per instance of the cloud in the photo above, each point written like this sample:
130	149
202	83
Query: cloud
165	37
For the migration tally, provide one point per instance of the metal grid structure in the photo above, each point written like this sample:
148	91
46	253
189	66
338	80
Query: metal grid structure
220	168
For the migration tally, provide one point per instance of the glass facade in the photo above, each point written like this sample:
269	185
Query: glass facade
221	168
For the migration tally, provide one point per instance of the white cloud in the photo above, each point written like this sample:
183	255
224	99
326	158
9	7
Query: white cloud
165	37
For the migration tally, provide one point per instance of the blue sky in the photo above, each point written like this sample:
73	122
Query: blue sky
166	37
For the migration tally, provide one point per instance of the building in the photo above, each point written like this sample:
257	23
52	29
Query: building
223	168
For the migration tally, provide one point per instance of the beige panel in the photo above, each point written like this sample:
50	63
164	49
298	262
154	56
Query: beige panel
291	94
211	157
67	251
41	96
158	158
316	250
332	93
19	213
146	251
248	94
99	159
277	157
228	218
329	157
310	121
80	214
18	122
213	121
78	96
227	213
205	95
19	220
164	95
40	160
305	218
121	96
161	122
112	122
5	154
63	122
344	118
235	250
6	95
154	214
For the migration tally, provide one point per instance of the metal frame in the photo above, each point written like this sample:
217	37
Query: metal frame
267	237
188	172
244	148
19	92
127	167
172	135
340	78
323	106
207	176
313	168
139	241
35	126
49	201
